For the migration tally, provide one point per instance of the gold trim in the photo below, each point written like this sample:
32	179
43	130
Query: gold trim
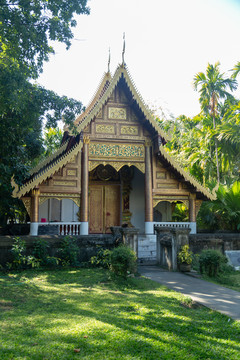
117	113
117	165
39	178
105	129
157	201
27	204
129	130
86	139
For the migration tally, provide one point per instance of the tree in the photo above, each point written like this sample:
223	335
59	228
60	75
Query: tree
213	90
27	27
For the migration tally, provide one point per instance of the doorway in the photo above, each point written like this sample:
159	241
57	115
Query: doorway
104	208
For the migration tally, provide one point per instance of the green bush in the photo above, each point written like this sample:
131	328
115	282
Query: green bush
20	259
68	251
41	253
123	261
211	262
40	250
102	259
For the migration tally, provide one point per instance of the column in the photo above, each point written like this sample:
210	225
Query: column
192	213
148	190
34	212
84	188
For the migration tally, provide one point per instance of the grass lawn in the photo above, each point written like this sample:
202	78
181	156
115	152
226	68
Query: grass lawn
230	280
81	314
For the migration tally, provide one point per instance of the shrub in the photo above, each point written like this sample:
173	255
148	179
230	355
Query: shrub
40	251
68	251
123	261
20	260
211	262
102	259
184	256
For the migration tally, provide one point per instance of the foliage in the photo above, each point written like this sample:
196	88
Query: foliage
68	251
207	145
86	311
224	212
27	27
41	253
180	213
211	261
102	259
184	256
52	140
123	261
20	259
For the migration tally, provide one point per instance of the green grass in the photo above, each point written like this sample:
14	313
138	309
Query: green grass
228	279
48	314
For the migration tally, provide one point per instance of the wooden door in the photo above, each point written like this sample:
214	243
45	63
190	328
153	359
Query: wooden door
96	210
112	206
104	207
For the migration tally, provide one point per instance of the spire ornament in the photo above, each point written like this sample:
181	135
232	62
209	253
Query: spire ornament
109	59
123	51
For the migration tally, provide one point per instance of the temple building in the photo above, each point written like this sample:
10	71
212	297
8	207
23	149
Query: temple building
115	171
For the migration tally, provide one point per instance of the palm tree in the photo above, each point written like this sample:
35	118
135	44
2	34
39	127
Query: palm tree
213	90
236	70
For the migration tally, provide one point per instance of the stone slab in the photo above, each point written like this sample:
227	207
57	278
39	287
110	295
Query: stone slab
234	258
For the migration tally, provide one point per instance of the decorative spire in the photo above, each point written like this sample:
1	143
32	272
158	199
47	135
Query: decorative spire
123	51
109	59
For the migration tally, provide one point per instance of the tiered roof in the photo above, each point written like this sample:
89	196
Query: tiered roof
73	144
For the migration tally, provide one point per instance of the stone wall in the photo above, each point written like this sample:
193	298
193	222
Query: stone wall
217	241
88	245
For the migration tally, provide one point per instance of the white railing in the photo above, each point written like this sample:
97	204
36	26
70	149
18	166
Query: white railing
179	225
64	228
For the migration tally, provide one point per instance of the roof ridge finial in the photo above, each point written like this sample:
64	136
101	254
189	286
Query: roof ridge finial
123	51
109	59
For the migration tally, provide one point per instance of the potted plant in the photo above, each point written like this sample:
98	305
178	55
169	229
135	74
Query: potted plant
184	258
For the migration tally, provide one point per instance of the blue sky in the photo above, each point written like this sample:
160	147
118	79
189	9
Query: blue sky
167	43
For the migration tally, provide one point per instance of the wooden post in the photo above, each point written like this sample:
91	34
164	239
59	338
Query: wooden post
84	187
148	189
192	207
34	212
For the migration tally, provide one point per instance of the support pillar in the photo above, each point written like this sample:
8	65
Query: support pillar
192	213
84	188
34	212
148	190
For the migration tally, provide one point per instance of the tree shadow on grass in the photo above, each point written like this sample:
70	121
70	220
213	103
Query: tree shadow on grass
136	319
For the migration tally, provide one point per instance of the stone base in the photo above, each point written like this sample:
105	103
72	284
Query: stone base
147	252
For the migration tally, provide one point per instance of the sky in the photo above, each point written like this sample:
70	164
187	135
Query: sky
167	43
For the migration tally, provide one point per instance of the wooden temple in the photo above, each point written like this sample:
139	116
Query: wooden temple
115	171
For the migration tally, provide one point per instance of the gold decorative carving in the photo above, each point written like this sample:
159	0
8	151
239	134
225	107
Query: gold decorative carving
42	199
117	113
105	129
129	130
167	186
157	201
86	139
116	150
64	183
161	175
148	142
117	165
27	204
71	172
99	114
60	196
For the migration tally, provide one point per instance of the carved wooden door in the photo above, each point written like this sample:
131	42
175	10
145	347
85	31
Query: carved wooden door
104	207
